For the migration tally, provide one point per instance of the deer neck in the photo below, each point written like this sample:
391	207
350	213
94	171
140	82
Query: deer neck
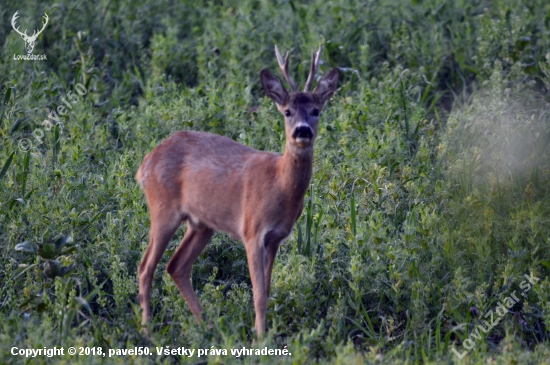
296	168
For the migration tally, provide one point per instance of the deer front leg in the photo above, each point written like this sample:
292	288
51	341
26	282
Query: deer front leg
272	240
256	255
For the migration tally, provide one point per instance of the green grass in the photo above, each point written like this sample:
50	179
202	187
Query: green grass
430	193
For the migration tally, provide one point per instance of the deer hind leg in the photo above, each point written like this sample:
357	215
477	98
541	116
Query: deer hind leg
180	264
163	227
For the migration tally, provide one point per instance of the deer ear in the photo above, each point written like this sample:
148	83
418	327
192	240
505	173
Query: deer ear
327	86
274	88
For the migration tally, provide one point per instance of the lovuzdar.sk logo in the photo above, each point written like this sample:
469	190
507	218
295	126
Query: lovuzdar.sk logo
30	40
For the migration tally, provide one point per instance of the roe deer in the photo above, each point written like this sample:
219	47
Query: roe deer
215	183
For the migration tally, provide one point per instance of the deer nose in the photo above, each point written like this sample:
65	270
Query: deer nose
303	132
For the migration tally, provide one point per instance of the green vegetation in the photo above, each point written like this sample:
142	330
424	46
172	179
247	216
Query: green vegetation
429	203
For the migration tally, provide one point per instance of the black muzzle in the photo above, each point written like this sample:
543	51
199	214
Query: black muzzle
302	132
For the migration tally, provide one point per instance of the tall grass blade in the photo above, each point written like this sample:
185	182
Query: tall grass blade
56	144
5	104
353	216
6	165
25	177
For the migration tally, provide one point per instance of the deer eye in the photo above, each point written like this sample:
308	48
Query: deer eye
287	113
315	112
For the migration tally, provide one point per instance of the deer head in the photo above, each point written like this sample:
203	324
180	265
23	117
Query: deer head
30	41
301	109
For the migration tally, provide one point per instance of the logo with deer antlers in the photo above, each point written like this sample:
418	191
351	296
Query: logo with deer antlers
30	41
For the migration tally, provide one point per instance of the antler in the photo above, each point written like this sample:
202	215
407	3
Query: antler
35	34
13	20
314	64
284	68
43	26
